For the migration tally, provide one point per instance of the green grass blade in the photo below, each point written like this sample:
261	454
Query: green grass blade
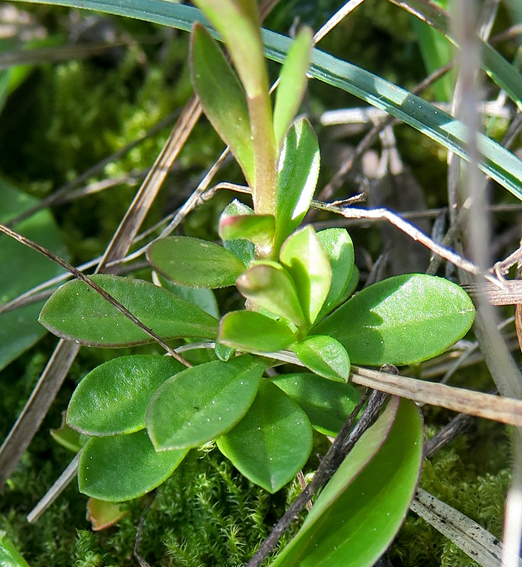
497	162
505	75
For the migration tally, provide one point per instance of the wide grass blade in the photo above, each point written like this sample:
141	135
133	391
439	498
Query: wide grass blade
497	162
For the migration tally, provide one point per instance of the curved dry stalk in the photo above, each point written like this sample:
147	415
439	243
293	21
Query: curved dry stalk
482	546
413	232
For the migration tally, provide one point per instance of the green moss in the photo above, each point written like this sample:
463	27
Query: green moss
206	514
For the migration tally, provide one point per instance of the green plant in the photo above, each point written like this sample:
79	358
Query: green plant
141	414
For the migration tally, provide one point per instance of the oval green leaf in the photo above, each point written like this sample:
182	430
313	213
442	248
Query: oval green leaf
203	402
324	356
401	320
269	286
113	398
76	311
272	442
304	257
254	332
124	467
363	506
327	404
222	97
339	248
194	262
298	173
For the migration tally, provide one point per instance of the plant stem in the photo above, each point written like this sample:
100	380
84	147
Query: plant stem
238	23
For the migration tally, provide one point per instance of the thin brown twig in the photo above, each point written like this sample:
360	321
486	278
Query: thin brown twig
372	136
57	195
81	276
409	229
137	541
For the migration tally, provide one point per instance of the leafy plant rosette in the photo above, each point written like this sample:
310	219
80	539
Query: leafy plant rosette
141	414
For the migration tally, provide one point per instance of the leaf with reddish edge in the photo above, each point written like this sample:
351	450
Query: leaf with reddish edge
376	483
269	286
103	515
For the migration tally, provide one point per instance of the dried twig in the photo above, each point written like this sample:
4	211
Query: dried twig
469	536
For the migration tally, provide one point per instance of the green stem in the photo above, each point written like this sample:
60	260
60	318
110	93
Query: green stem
238	23
265	178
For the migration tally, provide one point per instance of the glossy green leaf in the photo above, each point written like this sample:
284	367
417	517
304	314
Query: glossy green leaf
76	311
203	402
113	398
304	257
222	97
23	268
254	332
401	320
103	515
9	555
298	173
327	404
243	249
201	297
259	229
124	467
324	356
194	262
357	515
339	248
272	442
352	285
292	83
269	286
496	161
